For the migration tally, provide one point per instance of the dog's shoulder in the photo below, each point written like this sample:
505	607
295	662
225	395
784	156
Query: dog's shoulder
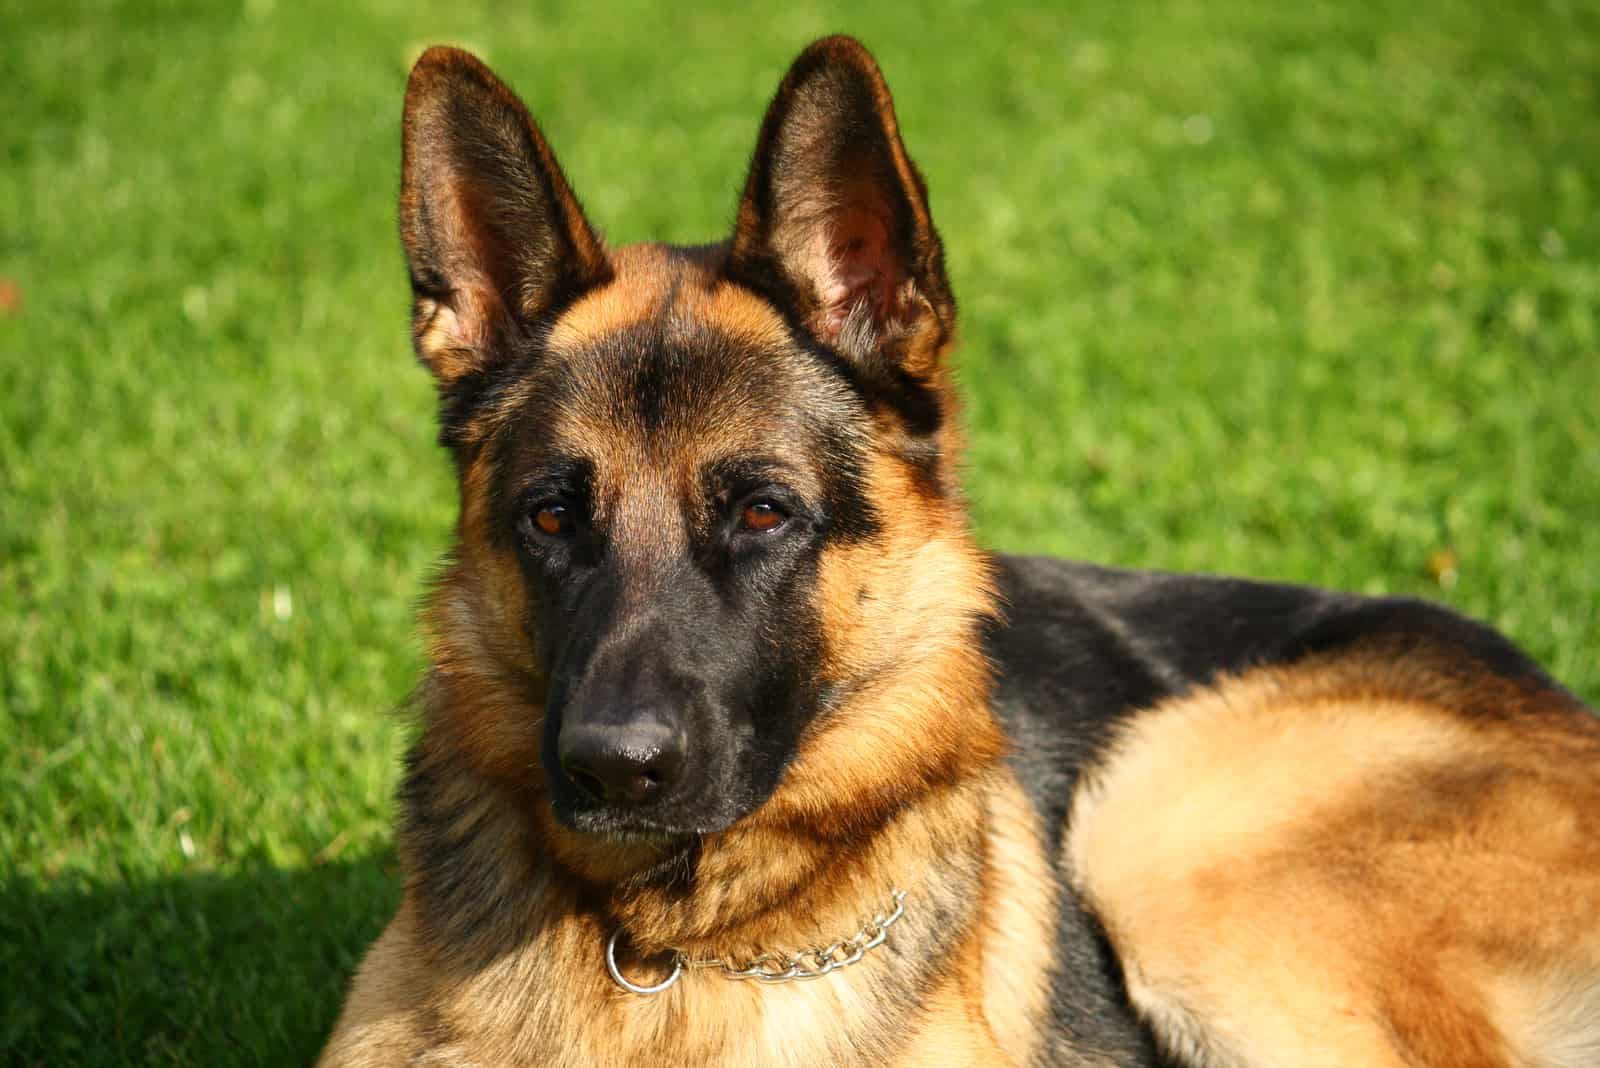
1102	637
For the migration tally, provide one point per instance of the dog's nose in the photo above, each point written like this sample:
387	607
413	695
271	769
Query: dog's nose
626	765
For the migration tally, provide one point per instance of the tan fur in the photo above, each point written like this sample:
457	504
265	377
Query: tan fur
1551	1019
1319	866
644	278
478	645
643	275
380	1024
1018	910
899	612
450	338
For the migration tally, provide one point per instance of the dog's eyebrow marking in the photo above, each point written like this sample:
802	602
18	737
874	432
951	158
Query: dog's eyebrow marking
736	471
559	474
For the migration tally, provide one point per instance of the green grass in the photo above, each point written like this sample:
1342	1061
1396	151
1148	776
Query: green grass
1304	291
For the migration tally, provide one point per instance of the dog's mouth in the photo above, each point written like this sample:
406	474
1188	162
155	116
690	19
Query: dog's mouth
614	847
629	829
622	826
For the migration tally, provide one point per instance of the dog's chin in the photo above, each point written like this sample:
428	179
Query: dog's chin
611	845
610	852
614	846
664	825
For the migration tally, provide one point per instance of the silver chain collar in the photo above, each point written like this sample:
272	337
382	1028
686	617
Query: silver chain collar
777	967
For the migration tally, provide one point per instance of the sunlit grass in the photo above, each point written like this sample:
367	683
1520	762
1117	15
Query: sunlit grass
1308	292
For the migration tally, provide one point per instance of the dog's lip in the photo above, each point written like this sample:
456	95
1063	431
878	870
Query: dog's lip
632	828
650	836
664	825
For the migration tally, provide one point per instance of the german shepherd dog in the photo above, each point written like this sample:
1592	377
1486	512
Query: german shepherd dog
723	696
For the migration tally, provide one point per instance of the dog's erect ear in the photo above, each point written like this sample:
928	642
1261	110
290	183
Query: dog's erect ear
834	222
493	235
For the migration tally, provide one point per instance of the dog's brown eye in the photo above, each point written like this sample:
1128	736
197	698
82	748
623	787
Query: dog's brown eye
554	519
760	516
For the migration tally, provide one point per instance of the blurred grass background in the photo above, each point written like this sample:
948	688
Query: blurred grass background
1308	292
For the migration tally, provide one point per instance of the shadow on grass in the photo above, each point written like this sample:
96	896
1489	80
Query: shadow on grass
241	968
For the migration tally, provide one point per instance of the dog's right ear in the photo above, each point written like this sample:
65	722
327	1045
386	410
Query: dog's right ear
493	235
834	224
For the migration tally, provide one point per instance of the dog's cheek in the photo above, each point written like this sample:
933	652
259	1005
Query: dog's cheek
870	598
481	626
899	613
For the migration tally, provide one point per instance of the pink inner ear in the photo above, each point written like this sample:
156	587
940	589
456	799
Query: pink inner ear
851	263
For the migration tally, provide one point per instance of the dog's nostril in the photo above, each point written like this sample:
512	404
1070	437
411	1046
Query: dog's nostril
589	784
619	781
622	767
642	787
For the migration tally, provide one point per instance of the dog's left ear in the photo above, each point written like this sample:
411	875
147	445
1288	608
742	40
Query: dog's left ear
834	222
494	237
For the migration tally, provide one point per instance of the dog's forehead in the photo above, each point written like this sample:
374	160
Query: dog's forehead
671	365
672	288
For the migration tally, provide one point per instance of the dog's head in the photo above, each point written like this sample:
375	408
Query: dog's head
711	557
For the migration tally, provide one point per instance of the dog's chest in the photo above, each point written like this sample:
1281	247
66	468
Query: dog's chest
706	1019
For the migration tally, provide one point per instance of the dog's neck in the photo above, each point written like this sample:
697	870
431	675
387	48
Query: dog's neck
807	866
